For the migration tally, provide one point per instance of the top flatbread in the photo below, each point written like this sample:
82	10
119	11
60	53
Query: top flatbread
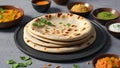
78	28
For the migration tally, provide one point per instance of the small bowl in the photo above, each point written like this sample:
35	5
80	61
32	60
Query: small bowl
85	14
116	34
103	56
39	6
101	21
14	22
61	2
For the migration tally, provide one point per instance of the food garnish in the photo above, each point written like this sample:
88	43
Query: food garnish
116	26
1	12
29	62
60	22
57	66
75	66
106	16
114	66
88	62
11	61
22	65
41	22
79	8
14	64
68	24
49	64
1	16
24	58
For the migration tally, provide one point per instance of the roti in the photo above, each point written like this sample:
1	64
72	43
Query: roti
62	49
66	27
48	43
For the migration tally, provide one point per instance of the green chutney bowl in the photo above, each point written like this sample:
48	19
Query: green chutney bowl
104	21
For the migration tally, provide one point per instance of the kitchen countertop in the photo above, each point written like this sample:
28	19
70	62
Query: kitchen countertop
8	49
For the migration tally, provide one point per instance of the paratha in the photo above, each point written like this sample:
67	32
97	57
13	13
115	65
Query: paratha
45	42
62	49
67	27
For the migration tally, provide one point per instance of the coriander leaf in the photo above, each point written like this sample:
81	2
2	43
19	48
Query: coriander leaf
114	66
1	16
24	58
29	62
111	60
2	10
42	22
11	61
14	66
60	22
68	24
118	26
49	23
75	66
22	65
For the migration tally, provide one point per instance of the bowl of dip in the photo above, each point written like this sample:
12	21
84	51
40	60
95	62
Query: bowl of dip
41	5
80	8
106	61
104	15
114	28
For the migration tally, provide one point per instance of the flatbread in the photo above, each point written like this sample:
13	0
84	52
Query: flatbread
46	42
62	49
78	28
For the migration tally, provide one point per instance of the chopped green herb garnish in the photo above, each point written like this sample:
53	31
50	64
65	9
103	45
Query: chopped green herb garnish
22	65
111	60
114	66
49	23
29	62
14	66
118	26
75	66
2	10
1	16
60	22
11	61
24	58
42	22
68	24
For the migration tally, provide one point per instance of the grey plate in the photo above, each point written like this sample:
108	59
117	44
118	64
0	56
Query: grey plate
101	39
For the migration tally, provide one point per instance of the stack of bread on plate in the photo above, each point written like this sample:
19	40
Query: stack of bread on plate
59	33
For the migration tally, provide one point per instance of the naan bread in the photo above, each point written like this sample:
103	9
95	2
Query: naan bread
78	28
62	49
45	42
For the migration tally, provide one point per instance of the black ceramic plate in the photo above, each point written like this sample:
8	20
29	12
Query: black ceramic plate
101	39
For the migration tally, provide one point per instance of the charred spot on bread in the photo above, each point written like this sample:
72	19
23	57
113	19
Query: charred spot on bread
83	29
28	41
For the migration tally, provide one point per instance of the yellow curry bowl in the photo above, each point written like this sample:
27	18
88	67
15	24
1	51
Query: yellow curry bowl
10	16
80	8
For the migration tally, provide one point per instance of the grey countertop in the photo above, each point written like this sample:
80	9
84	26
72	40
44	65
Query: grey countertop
8	49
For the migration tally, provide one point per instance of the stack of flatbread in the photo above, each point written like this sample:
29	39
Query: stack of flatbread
68	33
